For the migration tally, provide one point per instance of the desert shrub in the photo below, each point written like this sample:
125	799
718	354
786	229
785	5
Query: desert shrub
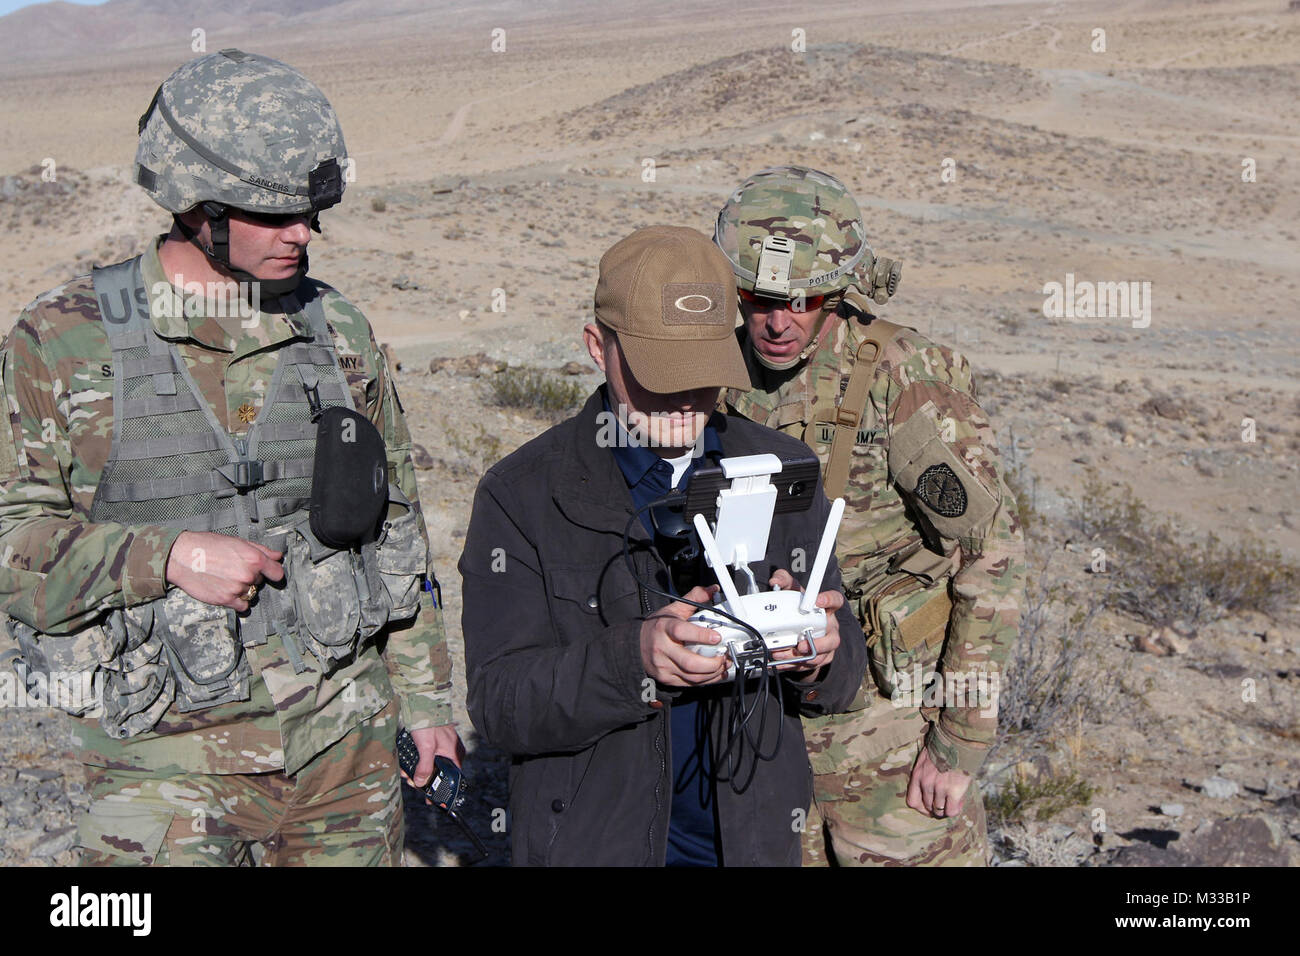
535	390
1011	324
1164	573
1043	797
1041	844
1052	680
471	450
1101	512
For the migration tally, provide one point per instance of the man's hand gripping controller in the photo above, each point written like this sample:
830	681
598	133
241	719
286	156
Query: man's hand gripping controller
781	618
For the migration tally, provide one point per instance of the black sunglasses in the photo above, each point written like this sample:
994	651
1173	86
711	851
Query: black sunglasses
278	219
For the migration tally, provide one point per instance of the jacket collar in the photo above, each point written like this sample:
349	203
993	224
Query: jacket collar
591	491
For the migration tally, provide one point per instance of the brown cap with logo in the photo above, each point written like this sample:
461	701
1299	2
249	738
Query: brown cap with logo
670	294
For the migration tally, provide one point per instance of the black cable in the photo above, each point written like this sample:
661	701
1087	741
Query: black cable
740	724
740	716
674	497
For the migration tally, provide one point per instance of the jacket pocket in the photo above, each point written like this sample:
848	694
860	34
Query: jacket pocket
323	585
204	650
549	805
844	743
127	833
591	596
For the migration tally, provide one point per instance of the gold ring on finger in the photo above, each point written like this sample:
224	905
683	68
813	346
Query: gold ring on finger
251	592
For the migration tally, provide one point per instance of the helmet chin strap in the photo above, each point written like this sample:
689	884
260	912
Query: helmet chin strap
259	290
808	349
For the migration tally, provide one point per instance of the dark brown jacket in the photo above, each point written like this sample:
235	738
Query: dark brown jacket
552	625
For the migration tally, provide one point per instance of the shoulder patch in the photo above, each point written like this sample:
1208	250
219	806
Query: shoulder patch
941	489
926	468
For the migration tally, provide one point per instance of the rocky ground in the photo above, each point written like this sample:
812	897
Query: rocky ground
42	789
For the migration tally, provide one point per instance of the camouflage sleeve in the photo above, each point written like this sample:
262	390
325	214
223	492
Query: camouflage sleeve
944	458
416	654
59	570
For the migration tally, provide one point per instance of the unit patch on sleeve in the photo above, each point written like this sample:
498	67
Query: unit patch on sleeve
942	490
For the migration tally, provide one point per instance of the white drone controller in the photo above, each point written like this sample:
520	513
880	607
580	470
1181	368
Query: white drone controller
783	618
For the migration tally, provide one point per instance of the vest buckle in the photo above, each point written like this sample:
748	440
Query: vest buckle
244	474
249	474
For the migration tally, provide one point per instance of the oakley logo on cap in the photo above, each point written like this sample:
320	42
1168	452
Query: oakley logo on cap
694	303
695	299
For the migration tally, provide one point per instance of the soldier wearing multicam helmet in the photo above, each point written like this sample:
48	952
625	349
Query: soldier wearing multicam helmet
162	538
930	546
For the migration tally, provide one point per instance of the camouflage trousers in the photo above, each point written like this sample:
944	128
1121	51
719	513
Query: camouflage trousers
862	762
342	809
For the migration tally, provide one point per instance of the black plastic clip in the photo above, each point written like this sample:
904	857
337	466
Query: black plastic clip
249	474
313	400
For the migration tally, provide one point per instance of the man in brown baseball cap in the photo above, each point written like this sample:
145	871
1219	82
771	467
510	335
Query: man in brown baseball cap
577	656
665	333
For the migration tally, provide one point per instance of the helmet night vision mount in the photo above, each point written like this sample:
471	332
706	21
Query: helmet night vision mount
755	624
772	275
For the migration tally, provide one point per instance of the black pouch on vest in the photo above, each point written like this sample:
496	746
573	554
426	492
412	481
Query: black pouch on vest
349	480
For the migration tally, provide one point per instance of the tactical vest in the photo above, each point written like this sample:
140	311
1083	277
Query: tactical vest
904	614
172	463
831	410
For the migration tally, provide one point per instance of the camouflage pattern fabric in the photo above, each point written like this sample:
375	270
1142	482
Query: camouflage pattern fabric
61	572
342	809
236	128
860	815
925	447
810	207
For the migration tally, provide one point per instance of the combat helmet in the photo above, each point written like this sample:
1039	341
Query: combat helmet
236	129
793	232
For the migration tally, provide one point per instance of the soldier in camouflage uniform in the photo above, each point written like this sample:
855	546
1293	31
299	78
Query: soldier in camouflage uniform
248	677
930	546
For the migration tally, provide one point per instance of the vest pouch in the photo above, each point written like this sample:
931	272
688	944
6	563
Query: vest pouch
349	479
906	623
138	683
373	596
402	561
206	656
62	670
322	583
